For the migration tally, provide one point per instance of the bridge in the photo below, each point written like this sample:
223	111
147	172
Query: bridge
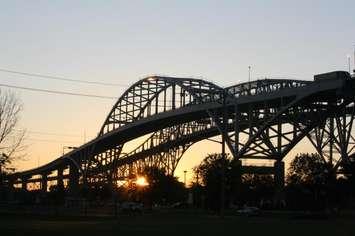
262	119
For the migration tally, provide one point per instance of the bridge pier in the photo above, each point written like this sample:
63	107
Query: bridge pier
73	179
11	188
60	182
279	180
44	183
279	174
11	183
24	183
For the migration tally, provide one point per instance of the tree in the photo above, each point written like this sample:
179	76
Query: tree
257	189
311	182
308	168
209	174
161	188
348	168
11	139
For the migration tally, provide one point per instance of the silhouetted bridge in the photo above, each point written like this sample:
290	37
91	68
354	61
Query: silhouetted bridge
262	119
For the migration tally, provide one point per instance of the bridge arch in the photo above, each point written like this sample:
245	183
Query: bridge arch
177	112
148	97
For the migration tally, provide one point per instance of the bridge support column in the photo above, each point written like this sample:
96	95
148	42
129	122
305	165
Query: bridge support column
11	188
279	179
236	180
44	184
279	174
11	183
60	183
73	179
24	183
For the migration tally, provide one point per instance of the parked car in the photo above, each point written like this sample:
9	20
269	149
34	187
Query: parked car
179	205
249	211
131	207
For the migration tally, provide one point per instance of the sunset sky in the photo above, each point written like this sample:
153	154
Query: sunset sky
123	41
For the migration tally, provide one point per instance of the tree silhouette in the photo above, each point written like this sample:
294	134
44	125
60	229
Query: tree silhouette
257	190
308	169
209	174
11	139
348	169
311	182
162	188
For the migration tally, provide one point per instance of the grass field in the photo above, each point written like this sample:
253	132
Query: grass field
176	223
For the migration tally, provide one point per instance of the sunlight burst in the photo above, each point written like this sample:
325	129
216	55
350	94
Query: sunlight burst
141	181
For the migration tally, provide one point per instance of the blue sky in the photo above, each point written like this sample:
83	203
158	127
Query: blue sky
122	41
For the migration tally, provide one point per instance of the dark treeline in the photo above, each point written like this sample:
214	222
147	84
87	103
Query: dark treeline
311	184
240	189
161	189
314	184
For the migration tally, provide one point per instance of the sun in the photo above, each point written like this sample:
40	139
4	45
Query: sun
141	181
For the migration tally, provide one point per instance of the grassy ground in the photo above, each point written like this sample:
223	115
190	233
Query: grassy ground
174	223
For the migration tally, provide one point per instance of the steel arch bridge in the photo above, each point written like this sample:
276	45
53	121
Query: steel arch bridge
261	119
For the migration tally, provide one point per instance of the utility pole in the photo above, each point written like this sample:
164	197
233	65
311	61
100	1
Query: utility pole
249	78
249	71
223	177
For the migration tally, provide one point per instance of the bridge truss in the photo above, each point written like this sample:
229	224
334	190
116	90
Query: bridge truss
261	119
